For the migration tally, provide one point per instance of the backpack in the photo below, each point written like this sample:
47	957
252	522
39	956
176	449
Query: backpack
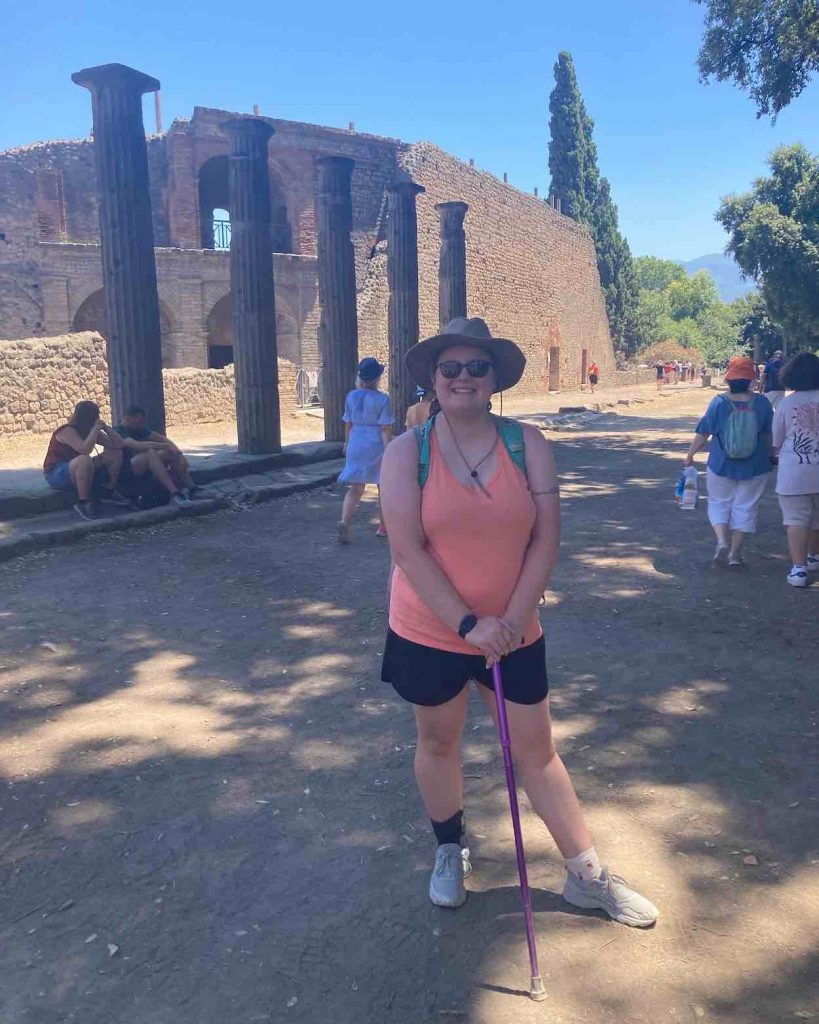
511	433
739	439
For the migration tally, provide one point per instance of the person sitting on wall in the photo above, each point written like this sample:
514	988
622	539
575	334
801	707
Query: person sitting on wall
150	453
70	465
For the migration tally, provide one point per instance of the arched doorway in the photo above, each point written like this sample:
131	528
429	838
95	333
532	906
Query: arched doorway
214	208
219	328
93	316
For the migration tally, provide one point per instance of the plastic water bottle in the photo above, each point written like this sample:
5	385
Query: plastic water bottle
690	492
679	490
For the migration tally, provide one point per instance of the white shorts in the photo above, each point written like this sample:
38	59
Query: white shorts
734	503
800	510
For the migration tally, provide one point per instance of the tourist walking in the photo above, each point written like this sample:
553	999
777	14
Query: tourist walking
368	421
796	436
594	375
772	386
739	425
471	563
659	369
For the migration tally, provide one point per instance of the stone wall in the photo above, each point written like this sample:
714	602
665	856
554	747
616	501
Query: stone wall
531	272
42	379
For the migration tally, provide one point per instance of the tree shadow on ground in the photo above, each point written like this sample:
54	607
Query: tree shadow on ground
204	771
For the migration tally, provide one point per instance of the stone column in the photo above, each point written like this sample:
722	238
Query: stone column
127	239
452	262
402	276
338	329
253	300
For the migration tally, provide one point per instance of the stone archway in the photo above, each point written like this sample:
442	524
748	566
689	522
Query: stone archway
219	331
214	208
93	316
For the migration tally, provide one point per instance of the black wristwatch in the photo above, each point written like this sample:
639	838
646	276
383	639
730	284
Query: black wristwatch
468	623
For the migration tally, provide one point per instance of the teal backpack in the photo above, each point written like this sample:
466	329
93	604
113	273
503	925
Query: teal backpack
511	433
741	434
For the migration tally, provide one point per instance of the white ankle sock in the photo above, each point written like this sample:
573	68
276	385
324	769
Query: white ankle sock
585	865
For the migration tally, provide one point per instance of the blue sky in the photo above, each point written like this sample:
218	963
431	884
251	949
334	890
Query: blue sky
473	77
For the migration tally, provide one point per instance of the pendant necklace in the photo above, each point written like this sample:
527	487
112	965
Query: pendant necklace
473	470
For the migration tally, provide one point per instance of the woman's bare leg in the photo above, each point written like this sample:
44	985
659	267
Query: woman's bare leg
799	542
351	500
543	774
81	470
438	756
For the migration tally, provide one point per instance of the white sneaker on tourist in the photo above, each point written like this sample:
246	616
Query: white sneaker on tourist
813	563
612	894
798	578
446	884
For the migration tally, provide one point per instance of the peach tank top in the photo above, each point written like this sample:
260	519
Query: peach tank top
479	541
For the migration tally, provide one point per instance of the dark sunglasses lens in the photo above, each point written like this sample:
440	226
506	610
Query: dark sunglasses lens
450	369
478	367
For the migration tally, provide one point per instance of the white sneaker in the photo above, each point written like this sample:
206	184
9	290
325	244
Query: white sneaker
446	884
798	578
721	554
612	894
813	563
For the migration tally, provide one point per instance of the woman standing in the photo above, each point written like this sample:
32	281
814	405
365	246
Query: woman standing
796	435
474	519
368	421
739	459
594	375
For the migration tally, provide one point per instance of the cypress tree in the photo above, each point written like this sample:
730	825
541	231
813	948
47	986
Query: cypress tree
586	197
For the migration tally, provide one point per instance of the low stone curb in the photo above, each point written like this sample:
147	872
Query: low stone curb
23	543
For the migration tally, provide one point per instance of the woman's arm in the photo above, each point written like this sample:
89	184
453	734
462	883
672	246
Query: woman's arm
83	446
544	545
401	506
697	445
108	437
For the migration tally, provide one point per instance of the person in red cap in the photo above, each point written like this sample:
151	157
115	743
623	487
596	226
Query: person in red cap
739	425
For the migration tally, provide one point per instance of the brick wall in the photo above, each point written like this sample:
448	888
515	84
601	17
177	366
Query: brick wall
531	272
42	379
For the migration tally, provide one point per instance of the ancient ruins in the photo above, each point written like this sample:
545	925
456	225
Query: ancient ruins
165	245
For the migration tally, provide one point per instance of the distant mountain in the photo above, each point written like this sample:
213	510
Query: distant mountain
730	282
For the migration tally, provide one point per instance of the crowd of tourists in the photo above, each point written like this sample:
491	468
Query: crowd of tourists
672	371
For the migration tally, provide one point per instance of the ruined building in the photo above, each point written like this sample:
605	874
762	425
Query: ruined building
531	272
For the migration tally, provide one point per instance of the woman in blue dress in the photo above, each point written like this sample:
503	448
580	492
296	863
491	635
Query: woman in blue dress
368	421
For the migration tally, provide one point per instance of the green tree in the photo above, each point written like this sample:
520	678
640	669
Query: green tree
769	48
690	297
754	322
774	236
651	317
572	152
586	197
655	275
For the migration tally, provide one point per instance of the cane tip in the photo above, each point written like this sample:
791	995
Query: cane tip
537	990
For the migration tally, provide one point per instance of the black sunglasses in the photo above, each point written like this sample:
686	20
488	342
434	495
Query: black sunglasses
451	368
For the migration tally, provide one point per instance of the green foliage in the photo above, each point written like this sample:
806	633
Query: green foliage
770	48
774	236
586	197
655	275
690	297
751	314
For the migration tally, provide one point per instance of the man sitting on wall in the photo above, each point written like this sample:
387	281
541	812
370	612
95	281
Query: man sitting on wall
150	453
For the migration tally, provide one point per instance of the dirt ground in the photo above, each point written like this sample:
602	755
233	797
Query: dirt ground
208	815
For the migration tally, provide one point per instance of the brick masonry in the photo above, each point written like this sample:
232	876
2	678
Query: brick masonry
44	378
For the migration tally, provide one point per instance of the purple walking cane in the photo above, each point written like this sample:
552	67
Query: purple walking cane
536	988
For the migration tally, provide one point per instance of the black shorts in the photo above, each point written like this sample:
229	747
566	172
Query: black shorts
593	378
428	676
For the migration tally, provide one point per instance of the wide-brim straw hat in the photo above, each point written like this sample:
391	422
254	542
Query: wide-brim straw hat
509	361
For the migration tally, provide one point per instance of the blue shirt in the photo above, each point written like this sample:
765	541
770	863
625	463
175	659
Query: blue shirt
714	422
772	368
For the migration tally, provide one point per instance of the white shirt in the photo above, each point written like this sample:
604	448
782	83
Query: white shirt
796	435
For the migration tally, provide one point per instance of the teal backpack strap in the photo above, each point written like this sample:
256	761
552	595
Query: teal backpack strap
422	436
511	432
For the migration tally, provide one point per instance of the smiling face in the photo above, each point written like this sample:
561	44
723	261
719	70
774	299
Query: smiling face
463	394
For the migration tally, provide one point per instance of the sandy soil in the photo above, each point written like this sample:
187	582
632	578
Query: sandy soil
207	811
